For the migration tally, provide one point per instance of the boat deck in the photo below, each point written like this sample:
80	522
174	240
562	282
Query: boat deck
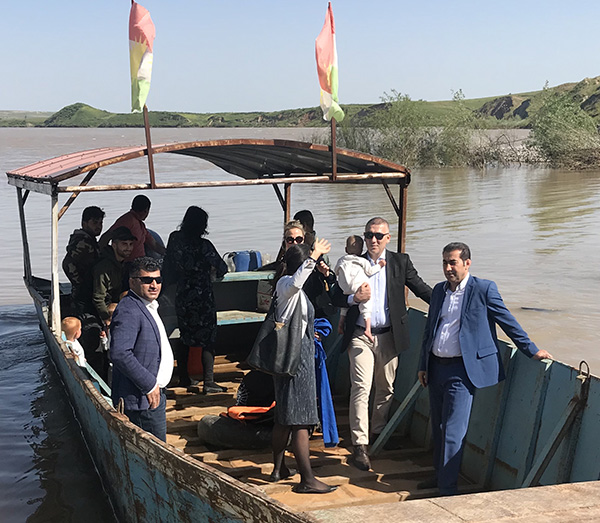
394	475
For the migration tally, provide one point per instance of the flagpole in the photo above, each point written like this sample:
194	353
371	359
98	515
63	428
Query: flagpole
333	151
149	148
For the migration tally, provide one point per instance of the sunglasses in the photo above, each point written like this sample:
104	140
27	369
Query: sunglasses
297	239
379	235
147	280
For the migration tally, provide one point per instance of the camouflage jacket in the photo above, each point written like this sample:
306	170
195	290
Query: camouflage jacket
108	277
82	254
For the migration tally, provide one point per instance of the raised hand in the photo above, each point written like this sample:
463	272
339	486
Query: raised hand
320	247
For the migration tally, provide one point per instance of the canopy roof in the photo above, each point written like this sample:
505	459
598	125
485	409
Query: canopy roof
255	161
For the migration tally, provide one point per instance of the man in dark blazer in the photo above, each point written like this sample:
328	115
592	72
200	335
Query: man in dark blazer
460	354
377	361
140	350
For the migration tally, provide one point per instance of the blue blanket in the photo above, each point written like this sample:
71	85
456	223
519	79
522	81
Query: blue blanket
326	412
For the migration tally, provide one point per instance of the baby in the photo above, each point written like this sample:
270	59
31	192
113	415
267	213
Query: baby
352	271
105	333
71	328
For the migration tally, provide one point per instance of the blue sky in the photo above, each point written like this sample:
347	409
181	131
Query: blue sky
245	55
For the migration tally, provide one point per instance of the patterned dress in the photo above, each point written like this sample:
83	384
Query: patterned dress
189	262
296	397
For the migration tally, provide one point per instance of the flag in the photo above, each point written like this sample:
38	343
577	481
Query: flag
327	69
141	37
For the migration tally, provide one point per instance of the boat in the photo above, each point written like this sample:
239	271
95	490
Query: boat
537	428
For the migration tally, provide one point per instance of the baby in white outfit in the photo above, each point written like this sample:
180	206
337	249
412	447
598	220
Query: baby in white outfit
352	270
71	328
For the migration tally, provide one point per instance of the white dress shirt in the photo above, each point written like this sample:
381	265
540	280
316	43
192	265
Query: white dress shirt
447	342
165	368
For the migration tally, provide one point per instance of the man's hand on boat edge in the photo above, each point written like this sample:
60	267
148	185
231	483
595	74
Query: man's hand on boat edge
542	355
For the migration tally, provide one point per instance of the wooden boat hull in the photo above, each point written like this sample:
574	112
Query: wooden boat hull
512	427
146	479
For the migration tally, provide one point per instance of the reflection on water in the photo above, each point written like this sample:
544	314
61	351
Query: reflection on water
534	231
46	473
561	211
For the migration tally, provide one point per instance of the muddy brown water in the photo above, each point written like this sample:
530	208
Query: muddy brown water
535	231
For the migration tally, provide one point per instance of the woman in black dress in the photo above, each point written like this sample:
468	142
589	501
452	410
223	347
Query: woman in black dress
190	261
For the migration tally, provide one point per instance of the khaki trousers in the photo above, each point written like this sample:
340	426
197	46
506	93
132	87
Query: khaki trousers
370	362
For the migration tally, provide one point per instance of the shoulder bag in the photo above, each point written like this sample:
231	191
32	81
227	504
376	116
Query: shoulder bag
277	347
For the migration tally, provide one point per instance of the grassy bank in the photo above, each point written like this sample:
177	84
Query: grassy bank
563	121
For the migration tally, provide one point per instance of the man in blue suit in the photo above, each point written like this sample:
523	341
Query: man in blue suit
140	350
460	354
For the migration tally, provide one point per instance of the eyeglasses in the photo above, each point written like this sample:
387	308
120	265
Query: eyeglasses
379	235
297	239
147	280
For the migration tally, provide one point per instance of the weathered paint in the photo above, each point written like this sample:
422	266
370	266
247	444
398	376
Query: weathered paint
148	480
512	422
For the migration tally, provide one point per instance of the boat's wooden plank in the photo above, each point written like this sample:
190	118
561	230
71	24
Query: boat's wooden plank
232	317
180	419
248	276
224	400
344	496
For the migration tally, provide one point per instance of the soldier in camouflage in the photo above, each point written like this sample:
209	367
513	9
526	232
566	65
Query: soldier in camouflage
82	254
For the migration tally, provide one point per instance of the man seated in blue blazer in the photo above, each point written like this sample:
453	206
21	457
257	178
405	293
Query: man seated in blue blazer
140	350
460	354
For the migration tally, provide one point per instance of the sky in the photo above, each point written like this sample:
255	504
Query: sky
258	55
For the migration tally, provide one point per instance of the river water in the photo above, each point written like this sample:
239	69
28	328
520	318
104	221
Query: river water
535	231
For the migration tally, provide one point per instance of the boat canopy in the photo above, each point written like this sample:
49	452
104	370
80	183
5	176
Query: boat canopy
254	162
257	162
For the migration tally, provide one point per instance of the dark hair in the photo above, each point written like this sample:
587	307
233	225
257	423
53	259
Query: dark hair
377	221
195	222
144	263
356	240
295	256
465	252
140	203
306	218
92	212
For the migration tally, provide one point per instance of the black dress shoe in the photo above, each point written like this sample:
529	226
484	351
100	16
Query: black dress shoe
360	458
274	478
212	388
304	489
431	482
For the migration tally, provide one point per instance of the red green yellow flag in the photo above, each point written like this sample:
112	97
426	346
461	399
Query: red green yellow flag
327	69
141	37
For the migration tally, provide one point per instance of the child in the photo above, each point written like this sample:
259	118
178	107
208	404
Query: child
105	333
352	270
71	328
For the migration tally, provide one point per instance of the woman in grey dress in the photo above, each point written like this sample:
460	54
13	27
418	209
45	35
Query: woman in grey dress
296	397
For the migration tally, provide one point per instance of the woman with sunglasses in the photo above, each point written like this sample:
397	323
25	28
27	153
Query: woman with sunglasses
189	261
320	282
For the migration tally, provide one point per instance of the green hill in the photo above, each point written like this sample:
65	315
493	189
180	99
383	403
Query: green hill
513	110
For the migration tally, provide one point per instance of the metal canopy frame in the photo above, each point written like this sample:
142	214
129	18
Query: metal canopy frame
254	162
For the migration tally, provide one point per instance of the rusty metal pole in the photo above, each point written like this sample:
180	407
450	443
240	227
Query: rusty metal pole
54	289
402	219
149	147
288	202
25	241
333	151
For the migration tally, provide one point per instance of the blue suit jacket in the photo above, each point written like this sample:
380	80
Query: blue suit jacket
134	351
482	309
